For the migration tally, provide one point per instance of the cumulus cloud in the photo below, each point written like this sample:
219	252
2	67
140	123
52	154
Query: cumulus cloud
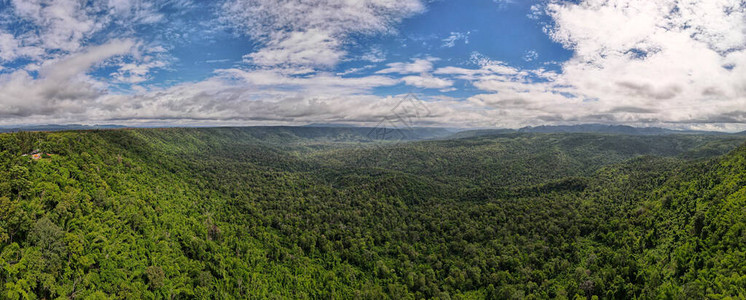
133	73
213	100
513	97
418	65
232	96
672	63
61	86
421	66
668	56
312	85
295	37
63	92
536	11
243	97
428	82
300	48
11	48
64	25
48	32
311	33
492	72
61	24
637	62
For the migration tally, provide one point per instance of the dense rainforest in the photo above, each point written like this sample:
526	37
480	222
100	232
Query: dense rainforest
325	213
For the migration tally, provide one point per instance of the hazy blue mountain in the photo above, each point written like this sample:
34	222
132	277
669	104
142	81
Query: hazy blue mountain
56	127
481	132
614	129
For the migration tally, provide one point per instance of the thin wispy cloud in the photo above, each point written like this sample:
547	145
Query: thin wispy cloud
455	37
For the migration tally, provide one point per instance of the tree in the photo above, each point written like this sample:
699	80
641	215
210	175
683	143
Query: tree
50	240
19	182
156	277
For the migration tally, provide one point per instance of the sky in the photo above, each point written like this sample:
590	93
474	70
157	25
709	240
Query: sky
457	63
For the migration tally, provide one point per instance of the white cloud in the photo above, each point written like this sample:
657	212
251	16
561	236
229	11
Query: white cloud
663	56
536	12
492	70
52	30
451	40
62	86
375	55
461	73
427	82
79	63
138	11
311	85
355	70
134	73
670	63
311	33
305	34
232	96
421	66
530	55
673	63
418	65
241	97
503	4
11	48
64	25
299	48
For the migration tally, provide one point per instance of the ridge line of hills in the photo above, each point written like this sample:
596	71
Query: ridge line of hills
434	131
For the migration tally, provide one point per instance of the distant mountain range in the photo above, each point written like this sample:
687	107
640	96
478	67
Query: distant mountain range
425	132
56	127
591	128
618	129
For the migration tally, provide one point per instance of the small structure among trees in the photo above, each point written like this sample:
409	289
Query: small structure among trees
37	154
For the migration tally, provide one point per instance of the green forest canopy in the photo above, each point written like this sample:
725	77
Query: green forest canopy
284	212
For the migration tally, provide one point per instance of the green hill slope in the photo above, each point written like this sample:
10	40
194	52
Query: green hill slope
236	213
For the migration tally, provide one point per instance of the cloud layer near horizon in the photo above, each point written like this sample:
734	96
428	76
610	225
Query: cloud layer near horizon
663	63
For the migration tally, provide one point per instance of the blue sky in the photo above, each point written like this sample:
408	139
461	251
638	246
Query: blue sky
472	63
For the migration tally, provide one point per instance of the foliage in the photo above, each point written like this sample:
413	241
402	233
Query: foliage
236	213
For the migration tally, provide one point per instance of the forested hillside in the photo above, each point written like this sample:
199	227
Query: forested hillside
325	213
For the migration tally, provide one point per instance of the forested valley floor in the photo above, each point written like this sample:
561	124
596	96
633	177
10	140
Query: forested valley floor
322	213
